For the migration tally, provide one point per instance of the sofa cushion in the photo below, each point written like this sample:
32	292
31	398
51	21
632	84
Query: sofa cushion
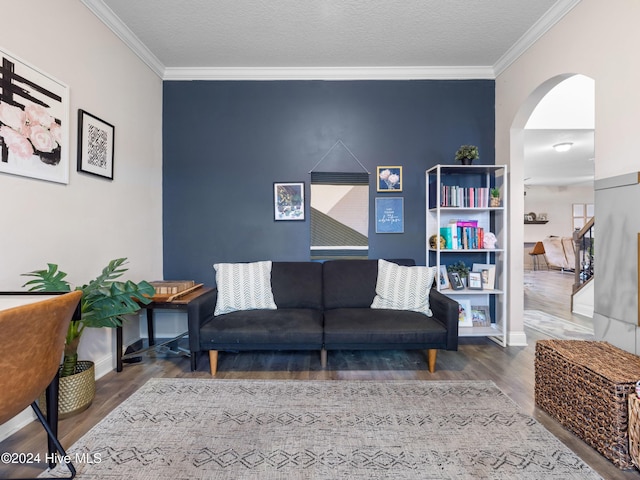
351	283
403	288
359	327
249	329
297	284
243	286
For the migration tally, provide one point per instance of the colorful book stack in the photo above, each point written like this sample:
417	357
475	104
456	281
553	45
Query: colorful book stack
466	197
463	235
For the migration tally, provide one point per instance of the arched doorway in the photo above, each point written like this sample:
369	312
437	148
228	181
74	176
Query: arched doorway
560	110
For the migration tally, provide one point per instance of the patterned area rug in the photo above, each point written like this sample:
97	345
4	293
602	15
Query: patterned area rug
556	327
267	429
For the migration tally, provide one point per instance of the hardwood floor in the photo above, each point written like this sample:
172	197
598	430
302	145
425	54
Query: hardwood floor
550	291
511	368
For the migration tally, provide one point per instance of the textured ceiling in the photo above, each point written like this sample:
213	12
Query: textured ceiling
329	33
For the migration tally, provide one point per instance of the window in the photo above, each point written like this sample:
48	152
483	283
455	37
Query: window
582	213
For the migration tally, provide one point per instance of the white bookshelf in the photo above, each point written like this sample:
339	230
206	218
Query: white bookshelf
489	219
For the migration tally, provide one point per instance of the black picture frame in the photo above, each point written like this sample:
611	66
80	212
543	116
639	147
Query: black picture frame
95	145
288	201
456	281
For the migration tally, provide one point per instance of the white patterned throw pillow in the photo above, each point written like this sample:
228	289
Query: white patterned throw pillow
243	286
403	288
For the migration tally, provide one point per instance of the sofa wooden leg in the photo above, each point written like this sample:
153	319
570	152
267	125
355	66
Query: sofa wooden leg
323	358
431	359
213	360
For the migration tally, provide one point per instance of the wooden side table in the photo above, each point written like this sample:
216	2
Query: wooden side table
179	304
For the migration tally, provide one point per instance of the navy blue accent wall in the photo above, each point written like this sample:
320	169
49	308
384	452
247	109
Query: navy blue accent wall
225	143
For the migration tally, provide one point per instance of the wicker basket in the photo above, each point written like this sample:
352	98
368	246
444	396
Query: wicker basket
585	386
76	392
634	429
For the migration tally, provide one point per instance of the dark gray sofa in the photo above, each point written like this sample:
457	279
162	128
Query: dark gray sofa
323	306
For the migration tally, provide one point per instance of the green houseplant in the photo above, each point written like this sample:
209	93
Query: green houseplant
103	304
467	154
461	268
495	197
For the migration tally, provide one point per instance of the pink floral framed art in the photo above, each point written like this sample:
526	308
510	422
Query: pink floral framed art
389	179
34	122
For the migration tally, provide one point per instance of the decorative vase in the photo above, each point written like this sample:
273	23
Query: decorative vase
466	161
495	202
76	392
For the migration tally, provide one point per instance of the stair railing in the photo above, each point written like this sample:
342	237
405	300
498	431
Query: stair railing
583	241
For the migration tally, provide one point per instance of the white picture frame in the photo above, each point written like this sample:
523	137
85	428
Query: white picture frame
444	278
44	155
465	318
488	272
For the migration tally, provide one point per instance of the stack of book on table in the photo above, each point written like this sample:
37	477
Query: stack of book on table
171	289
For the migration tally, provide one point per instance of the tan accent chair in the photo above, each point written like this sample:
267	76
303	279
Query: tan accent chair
32	342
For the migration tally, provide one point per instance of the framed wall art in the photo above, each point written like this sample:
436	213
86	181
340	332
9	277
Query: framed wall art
444	278
389	179
288	201
389	215
34	122
475	280
95	145
465	318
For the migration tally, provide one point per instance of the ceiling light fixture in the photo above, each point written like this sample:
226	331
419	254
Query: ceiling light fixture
562	147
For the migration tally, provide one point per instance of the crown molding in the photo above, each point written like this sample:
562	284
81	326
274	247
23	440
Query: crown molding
329	73
113	22
554	15
531	36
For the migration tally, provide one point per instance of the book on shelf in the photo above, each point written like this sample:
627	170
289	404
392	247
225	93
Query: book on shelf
465	197
170	287
450	234
463	235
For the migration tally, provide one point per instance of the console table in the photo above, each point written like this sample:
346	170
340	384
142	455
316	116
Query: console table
180	304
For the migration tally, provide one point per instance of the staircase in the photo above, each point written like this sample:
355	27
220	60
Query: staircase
582	296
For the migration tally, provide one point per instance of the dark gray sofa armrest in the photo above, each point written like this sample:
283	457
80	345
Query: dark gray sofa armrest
199	311
445	310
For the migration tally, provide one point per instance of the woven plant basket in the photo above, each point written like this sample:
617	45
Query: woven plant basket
76	392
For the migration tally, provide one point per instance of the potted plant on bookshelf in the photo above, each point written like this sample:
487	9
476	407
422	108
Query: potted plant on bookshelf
495	197
104	302
467	154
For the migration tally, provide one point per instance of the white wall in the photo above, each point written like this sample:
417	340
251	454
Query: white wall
557	203
593	39
83	225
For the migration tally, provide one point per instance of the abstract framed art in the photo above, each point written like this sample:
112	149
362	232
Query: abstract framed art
288	201
95	145
34	122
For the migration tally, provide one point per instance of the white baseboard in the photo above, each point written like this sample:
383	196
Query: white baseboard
517	339
16	423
